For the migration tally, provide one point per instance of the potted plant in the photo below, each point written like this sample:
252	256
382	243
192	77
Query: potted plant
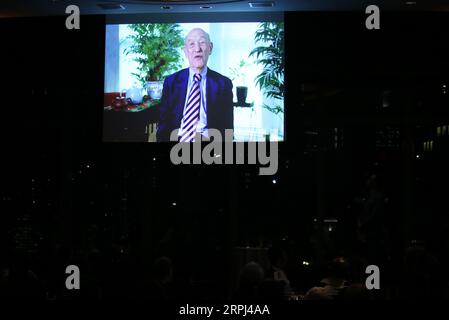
271	56
238	78
156	46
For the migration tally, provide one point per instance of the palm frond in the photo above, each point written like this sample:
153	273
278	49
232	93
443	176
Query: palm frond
270	54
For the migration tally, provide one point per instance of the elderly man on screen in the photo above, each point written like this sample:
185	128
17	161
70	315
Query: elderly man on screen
197	98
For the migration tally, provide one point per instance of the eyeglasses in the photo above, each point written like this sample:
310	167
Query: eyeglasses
191	45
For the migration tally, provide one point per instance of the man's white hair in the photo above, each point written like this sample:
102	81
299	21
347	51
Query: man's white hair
194	29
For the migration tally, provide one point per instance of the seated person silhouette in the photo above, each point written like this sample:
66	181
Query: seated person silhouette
278	261
251	277
333	284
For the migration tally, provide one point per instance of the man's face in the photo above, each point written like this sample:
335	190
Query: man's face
197	49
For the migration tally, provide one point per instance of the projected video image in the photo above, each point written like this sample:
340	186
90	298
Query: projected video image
194	77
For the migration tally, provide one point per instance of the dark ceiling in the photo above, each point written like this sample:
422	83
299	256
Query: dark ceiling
18	8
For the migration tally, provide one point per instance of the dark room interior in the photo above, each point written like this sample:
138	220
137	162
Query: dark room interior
362	175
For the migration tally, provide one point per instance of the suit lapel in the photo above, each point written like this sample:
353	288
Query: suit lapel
211	89
181	92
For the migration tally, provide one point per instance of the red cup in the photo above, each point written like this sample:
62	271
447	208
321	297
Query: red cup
109	98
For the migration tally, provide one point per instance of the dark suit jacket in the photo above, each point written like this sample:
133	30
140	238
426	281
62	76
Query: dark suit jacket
220	112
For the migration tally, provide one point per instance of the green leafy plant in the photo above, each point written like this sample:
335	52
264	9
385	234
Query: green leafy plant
238	72
157	47
270	54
